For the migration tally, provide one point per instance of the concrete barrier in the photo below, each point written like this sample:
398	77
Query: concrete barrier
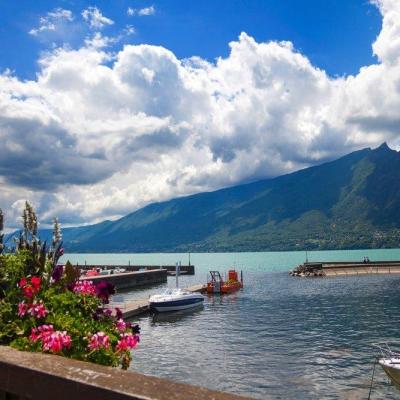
37	376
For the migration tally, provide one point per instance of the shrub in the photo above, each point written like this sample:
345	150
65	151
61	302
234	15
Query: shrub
45	307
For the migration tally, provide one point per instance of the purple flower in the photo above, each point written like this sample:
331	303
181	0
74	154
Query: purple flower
107	312
118	313
57	273
98	314
135	329
102	313
104	290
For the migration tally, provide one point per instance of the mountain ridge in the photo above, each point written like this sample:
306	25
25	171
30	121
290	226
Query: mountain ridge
351	202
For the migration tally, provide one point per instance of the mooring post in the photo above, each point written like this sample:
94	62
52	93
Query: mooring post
177	271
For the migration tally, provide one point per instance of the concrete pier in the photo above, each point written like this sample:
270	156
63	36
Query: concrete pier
186	269
350	268
129	280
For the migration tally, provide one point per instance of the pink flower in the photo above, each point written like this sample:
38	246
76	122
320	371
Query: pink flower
128	341
99	341
41	332
121	325
85	287
56	341
37	310
22	309
22	282
53	341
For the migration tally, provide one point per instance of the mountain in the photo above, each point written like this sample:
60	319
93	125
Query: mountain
352	202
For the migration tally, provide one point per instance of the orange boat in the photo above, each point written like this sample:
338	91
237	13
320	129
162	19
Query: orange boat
216	284
92	272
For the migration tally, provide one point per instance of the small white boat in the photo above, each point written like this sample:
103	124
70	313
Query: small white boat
174	300
389	360
392	368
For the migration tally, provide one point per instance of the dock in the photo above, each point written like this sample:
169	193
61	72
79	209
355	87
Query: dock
348	268
185	269
130	280
138	307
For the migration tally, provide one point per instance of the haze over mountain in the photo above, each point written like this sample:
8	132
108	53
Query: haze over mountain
352	202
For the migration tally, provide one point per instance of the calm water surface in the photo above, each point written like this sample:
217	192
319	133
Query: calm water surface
279	338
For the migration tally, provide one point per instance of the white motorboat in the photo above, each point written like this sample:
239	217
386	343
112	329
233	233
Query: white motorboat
392	368
174	300
389	360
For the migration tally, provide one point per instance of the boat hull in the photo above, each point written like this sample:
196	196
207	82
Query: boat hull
392	369
175	305
224	288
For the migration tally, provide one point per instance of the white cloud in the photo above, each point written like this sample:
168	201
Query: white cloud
99	41
95	19
129	30
52	20
100	134
146	11
60	13
141	12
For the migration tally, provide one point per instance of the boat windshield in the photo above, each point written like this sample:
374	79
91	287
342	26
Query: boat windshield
171	291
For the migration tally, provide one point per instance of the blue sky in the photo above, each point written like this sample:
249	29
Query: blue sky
108	106
335	34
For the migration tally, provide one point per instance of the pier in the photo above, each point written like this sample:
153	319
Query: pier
184	269
345	268
130	280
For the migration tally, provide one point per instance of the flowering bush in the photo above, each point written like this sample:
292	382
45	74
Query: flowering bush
45	307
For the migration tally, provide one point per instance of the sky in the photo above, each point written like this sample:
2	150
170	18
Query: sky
108	106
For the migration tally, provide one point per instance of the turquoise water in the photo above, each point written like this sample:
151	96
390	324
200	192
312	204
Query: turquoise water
279	338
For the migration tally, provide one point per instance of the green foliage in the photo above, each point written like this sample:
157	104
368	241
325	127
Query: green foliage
71	274
44	307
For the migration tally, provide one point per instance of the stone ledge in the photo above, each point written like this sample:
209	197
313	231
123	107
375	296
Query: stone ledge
48	377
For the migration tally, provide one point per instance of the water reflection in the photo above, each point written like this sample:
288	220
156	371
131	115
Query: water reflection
172	317
280	337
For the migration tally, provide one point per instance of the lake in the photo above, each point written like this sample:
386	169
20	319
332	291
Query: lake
280	337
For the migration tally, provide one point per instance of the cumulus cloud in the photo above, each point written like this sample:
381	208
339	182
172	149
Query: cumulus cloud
53	20
95	19
99	134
